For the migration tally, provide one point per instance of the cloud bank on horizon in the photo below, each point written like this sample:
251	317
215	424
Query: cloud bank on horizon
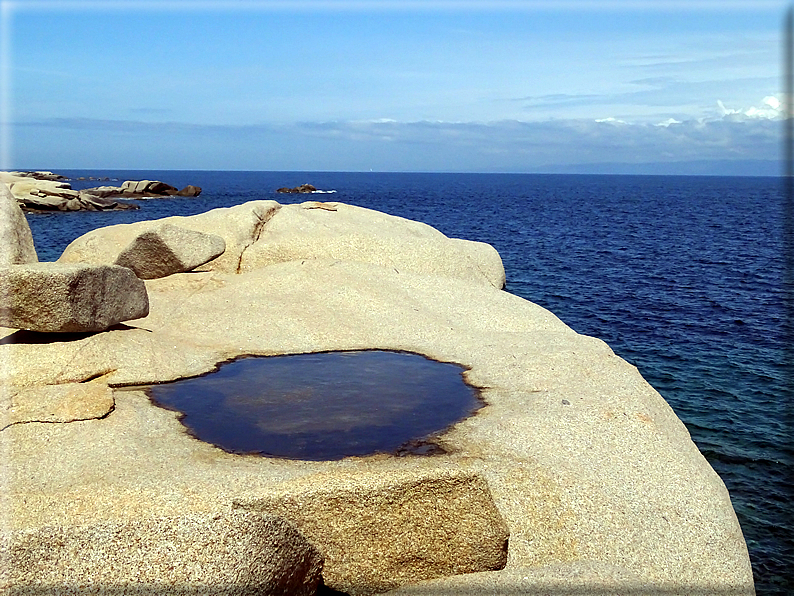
522	88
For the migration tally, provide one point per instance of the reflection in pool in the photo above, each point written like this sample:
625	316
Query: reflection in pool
323	406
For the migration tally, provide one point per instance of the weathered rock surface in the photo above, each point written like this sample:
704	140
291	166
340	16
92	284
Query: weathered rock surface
55	403
234	553
57	297
169	249
584	460
315	230
16	240
378	532
144	189
579	578
149	188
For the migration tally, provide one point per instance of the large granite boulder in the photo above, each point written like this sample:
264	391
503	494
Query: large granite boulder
239	226
380	531
263	233
103	191
169	249
230	553
38	175
16	240
58	297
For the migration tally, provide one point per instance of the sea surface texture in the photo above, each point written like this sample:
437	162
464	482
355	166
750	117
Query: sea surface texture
684	277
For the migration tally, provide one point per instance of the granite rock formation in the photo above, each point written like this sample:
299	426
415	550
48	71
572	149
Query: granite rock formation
597	480
45	191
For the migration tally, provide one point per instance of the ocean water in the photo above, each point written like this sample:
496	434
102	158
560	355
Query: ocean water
684	277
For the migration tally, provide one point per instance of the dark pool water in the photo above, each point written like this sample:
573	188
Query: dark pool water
323	406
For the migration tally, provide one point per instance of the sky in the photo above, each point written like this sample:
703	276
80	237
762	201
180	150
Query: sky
583	86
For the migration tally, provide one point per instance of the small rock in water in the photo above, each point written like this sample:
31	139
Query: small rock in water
303	188
189	191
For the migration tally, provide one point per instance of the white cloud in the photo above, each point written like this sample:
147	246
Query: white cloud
770	108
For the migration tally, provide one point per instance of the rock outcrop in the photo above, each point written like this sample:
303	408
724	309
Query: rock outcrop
16	240
38	175
45	191
49	192
169	249
58	297
588	466
235	553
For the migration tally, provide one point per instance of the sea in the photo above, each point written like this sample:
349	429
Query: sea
683	276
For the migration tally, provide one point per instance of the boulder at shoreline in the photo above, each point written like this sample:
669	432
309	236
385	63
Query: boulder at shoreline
591	473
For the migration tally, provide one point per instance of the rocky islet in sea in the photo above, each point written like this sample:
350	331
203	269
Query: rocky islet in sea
576	475
46	191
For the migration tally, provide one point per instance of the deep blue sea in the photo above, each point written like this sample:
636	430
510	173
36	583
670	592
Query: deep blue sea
684	277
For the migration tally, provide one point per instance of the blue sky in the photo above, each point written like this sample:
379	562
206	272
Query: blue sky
520	86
